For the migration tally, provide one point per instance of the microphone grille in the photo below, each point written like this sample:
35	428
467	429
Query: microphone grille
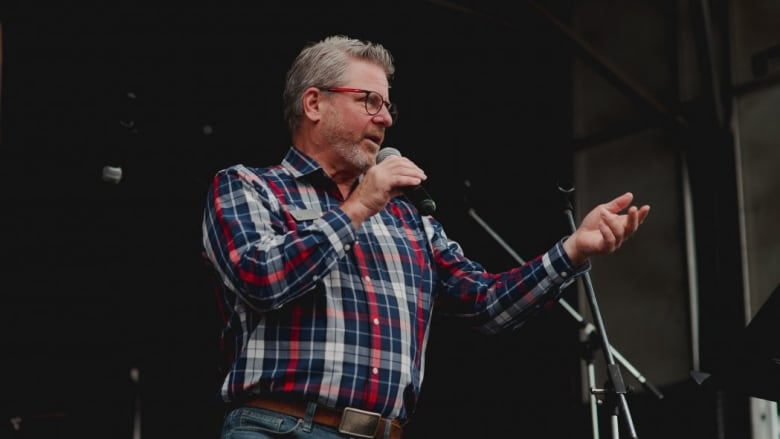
385	153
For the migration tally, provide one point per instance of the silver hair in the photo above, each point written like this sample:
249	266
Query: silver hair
323	64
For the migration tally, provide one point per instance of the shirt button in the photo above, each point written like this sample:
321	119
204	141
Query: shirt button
346	247
376	321
564	274
375	371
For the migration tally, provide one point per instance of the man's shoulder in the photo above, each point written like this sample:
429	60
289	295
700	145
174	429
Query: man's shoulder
260	171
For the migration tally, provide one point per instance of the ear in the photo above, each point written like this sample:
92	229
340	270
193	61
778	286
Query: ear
312	102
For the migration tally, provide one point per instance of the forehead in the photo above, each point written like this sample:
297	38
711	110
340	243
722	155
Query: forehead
367	75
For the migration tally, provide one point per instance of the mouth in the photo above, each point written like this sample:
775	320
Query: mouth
375	139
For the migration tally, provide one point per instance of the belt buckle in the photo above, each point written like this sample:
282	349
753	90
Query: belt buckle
359	423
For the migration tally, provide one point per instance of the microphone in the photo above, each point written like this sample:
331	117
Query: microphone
416	194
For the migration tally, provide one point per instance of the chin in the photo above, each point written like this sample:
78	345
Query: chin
370	151
373	147
362	159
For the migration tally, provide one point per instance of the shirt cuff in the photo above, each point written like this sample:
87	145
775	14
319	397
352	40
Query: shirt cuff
560	265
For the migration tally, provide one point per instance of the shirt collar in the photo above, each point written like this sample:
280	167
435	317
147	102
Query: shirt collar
299	164
302	166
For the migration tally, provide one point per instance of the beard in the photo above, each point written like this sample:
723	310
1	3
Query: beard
353	154
346	146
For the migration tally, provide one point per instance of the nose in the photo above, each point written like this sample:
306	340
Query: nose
384	117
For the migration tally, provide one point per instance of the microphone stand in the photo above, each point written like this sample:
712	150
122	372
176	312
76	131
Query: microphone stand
590	332
615	395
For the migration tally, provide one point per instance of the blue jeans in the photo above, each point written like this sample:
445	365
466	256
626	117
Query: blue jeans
257	423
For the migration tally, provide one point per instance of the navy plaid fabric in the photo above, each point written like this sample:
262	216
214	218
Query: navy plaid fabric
317	309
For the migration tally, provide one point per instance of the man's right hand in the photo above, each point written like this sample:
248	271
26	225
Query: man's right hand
379	185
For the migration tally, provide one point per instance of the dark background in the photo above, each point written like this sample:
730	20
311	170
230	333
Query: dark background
103	278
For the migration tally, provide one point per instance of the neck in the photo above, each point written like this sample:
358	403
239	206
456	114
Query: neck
344	180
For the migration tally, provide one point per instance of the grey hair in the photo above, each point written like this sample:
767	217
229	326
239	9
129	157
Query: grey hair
323	64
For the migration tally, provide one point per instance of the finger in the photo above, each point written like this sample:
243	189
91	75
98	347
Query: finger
643	211
616	225
619	203
401	166
404	166
632	221
608	238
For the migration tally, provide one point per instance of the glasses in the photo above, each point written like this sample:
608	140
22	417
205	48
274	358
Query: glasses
373	100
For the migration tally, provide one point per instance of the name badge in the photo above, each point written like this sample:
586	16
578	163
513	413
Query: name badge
305	214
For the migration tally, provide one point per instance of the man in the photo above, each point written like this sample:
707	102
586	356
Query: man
329	276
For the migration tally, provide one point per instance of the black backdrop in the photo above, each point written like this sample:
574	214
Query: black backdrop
101	278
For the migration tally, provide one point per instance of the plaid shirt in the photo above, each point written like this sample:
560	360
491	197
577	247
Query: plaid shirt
318	309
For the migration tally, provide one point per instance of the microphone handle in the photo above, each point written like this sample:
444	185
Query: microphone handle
420	198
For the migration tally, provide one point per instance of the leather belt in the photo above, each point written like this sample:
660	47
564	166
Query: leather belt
354	422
